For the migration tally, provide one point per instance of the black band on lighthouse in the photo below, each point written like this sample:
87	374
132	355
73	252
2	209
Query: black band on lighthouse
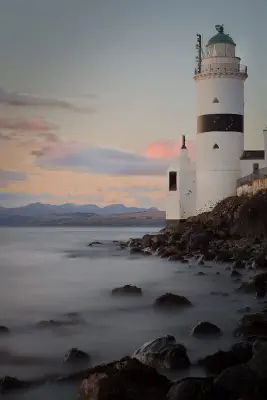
220	122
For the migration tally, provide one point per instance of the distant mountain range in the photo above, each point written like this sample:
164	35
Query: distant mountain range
39	214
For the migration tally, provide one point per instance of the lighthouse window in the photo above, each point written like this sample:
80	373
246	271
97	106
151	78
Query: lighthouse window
215	146
215	100
172	181
255	168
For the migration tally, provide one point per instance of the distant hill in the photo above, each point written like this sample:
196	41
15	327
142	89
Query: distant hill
38	214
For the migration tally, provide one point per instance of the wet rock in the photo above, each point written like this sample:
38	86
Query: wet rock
147	251
239	265
212	293
125	379
258	363
93	243
205	328
209	255
260	262
238	381
224	256
217	273
4	330
176	257
127	290
252	325
193	389
240	353
163	352
75	355
135	250
9	383
200	273
50	323
169	300
235	274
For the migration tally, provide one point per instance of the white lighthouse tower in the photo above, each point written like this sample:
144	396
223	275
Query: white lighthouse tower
219	78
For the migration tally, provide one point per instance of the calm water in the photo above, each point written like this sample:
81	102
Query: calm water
46	273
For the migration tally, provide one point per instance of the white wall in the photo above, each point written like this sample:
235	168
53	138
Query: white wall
181	204
229	92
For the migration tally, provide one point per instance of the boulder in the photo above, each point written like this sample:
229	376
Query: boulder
75	355
192	389
125	379
170	300
235	274
238	381
205	328
216	363
239	265
200	273
252	325
4	330
93	243
127	290
135	250
258	363
163	352
9	383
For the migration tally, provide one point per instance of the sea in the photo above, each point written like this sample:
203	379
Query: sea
52	274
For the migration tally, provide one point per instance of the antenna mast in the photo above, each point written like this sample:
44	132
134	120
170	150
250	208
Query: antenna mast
199	53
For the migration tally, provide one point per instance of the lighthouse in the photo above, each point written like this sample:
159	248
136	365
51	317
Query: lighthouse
219	79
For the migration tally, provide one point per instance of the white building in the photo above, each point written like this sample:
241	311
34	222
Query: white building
196	185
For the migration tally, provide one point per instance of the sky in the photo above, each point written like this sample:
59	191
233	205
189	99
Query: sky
95	94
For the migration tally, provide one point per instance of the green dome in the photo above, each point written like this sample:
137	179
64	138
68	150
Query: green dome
221	37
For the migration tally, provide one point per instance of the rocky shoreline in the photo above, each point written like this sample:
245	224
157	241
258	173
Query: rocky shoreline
233	233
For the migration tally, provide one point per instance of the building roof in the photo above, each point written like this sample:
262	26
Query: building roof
221	37
252	155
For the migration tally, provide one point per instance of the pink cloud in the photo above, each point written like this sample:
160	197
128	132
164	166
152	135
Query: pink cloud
168	149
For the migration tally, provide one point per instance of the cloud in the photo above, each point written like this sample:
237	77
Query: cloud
26	124
6	177
6	136
168	149
101	160
27	100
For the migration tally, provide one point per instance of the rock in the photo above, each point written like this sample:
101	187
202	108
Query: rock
206	328
184	261
176	257
127	379
127	290
252	325
170	300
94	243
224	256
239	265
200	273
217	273
235	274
75	355
240	353
163	352
4	330
193	389
9	383
238	381
135	250
258	363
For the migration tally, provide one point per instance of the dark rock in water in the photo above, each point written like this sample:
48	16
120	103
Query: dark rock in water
163	352
93	243
206	328
200	262
176	257
127	290
224	256
200	273
238	381
240	353
4	330
195	389
258	363
127	379
169	300
252	325
135	250
75	355
261	293
217	273
209	255
9	383
235	274
239	265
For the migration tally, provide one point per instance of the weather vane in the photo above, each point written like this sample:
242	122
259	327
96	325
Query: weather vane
219	28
